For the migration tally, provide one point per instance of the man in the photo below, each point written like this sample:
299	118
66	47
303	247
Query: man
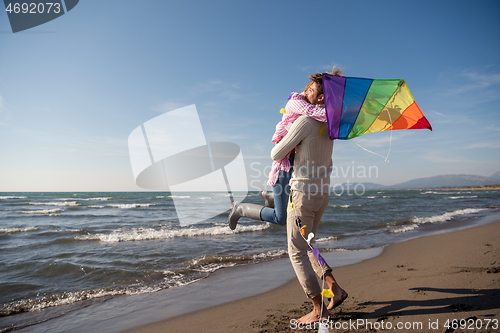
310	191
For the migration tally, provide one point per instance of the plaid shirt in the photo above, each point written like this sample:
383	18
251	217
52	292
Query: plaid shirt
297	106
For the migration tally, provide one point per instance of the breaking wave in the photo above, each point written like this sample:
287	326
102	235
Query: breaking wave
50	212
86	199
325	239
128	206
67	298
446	216
144	234
193	271
416	221
463	197
17	230
65	203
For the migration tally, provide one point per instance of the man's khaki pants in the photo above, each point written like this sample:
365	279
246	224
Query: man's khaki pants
309	209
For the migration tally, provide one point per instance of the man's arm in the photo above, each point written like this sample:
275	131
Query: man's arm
298	132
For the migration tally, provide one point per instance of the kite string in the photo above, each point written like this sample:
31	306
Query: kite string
390	143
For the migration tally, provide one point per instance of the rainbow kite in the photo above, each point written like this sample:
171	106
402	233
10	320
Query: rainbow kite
356	106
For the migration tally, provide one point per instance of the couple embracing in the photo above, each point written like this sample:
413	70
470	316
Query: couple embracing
300	177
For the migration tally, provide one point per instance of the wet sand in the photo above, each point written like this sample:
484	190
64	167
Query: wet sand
420	285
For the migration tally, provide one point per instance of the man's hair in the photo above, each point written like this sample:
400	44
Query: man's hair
318	79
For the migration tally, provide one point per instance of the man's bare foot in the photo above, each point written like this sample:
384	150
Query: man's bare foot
339	294
313	317
339	297
319	312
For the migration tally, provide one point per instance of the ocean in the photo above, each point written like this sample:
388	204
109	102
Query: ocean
65	251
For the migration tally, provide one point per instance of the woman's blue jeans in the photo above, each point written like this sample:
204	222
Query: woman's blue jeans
281	192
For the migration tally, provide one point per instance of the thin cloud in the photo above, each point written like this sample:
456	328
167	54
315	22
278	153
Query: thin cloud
439	157
436	113
220	90
318	69
482	80
2	109
219	94
211	85
492	128
372	142
472	80
453	119
217	136
436	117
486	144
380	139
169	106
215	85
80	142
258	157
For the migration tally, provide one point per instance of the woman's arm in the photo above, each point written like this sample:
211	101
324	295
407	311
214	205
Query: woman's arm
299	105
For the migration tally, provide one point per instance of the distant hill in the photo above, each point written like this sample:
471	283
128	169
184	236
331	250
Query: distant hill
496	175
448	180
374	186
429	182
352	186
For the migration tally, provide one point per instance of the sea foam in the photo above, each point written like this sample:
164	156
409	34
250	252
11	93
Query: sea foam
446	216
50	212
143	234
17	230
416	221
65	203
128	206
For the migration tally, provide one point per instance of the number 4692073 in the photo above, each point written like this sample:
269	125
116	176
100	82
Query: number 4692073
33	8
469	324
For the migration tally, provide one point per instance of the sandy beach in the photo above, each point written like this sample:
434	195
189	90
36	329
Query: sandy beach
420	285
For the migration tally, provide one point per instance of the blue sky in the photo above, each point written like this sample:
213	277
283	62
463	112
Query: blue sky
73	89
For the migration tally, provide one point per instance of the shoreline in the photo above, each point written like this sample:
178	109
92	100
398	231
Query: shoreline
423	280
223	287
